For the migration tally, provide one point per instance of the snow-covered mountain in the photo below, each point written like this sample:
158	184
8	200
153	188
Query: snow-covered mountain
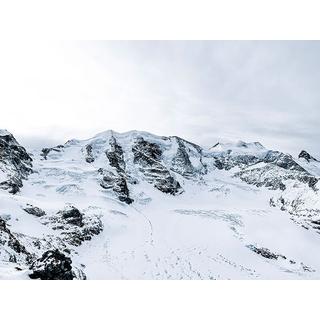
140	206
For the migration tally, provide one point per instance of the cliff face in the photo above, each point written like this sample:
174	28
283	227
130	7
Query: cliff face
15	163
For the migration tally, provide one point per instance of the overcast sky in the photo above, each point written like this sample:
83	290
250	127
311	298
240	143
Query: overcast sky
200	90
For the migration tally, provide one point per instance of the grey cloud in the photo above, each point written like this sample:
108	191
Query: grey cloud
201	90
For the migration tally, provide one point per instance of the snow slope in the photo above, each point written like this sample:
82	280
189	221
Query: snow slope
152	207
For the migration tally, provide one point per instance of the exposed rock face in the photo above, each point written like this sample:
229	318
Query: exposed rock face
89	154
53	265
228	161
315	224
46	151
11	246
188	160
72	229
35	211
282	160
72	215
75	227
274	178
117	184
15	163
271	169
305	155
13	184
116	157
146	152
147	156
116	181
181	162
266	253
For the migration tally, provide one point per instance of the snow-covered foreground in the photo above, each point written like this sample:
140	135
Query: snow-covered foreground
212	224
201	237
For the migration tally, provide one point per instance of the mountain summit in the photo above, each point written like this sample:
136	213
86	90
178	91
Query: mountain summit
305	155
140	206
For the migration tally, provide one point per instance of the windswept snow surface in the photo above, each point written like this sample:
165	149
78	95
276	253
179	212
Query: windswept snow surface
201	236
218	227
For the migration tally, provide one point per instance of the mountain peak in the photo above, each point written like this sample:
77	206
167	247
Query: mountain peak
305	155
240	146
127	134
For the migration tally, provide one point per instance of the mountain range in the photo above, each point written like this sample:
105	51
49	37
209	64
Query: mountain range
136	205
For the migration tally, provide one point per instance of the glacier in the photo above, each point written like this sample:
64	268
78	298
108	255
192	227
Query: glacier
136	205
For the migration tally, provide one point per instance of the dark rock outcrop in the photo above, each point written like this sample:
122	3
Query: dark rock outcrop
11	245
46	151
35	211
181	162
13	184
53	265
116	157
273	170
266	253
72	215
282	160
227	161
116	181
74	226
145	152
117	184
15	162
147	156
274	178
89	154
305	155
